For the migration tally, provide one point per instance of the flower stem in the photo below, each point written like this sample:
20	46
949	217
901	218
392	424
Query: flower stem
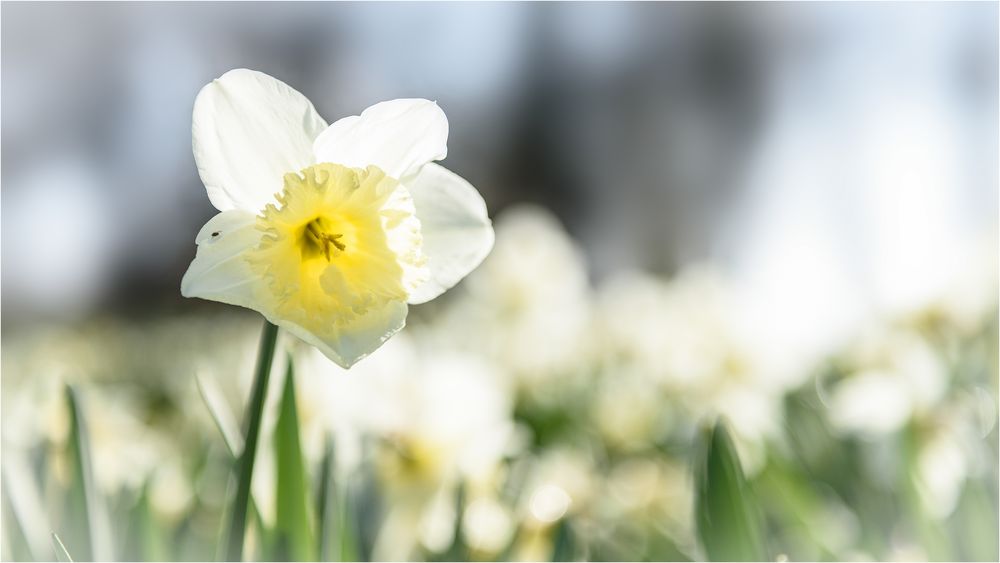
244	464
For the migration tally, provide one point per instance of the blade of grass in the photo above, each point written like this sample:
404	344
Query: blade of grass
87	512
293	534
150	538
366	507
244	465
60	549
13	542
727	520
221	415
458	551
346	548
221	547
326	504
974	521
337	537
24	522
562	545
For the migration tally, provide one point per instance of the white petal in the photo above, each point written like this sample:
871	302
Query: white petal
357	340
456	229
398	136
248	131
219	272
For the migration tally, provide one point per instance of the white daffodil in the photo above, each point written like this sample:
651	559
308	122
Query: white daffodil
328	231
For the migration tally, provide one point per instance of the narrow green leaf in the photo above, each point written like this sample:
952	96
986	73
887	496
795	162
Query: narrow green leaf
365	507
975	521
264	534
244	465
728	521
293	535
150	538
87	518
563	545
326	504
335	530
60	549
24	522
458	551
221	546
14	542
221	415
347	534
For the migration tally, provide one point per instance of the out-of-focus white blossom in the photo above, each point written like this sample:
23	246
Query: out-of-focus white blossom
436	416
630	410
690	335
488	525
126	452
941	470
561	483
873	401
527	304
897	374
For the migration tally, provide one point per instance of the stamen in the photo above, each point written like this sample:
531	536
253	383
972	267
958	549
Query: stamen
324	240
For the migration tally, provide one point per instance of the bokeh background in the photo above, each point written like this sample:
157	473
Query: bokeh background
782	214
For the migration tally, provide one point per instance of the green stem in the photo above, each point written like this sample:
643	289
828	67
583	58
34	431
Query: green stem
244	464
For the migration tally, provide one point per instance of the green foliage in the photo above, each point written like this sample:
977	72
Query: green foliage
728	519
16	545
336	535
563	545
86	527
245	463
146	539
221	415
326	504
60	550
818	492
292	535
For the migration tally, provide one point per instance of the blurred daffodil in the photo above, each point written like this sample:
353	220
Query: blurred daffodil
328	231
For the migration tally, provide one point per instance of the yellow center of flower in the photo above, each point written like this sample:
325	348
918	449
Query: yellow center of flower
341	244
317	238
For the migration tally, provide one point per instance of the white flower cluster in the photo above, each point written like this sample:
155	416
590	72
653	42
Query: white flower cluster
544	397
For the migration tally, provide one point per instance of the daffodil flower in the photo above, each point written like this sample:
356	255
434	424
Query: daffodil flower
328	231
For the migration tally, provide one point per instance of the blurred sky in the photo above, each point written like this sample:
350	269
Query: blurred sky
833	158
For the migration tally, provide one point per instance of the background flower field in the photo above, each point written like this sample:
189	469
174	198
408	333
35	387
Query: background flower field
581	448
742	303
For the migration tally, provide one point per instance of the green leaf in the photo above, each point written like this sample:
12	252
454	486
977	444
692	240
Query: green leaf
147	538
14	540
226	424
346	548
60	549
458	551
335	530
325	504
24	523
244	465
293	536
728	521
86	516
975	521
562	545
221	414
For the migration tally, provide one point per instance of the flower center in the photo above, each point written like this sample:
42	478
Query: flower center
318	238
340	243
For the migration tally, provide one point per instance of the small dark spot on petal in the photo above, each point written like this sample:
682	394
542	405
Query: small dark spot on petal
216	233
